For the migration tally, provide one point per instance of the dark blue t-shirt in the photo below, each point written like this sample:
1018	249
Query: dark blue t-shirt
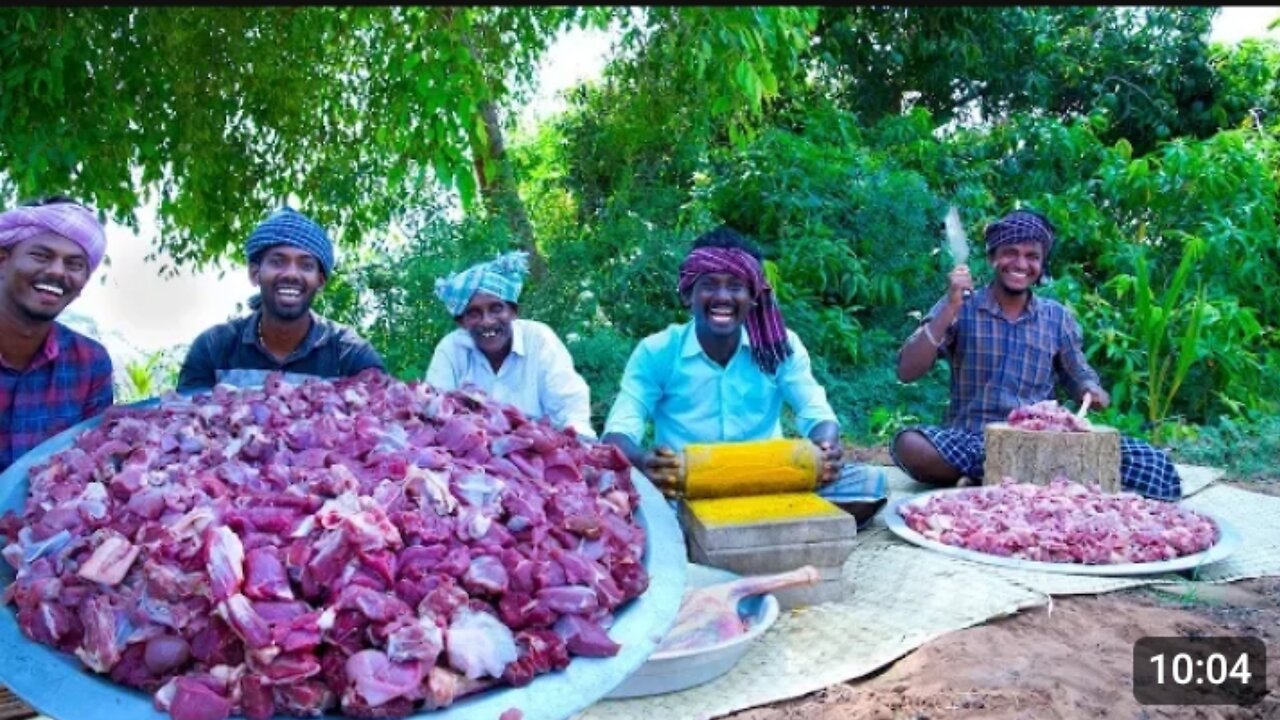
224	351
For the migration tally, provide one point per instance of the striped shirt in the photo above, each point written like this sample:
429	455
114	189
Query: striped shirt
68	380
999	364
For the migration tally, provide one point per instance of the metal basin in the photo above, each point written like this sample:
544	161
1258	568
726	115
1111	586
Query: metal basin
680	669
56	684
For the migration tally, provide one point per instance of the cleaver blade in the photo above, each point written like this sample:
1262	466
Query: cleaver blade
957	241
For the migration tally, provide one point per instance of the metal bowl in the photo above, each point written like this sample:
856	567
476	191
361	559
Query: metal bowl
57	685
681	669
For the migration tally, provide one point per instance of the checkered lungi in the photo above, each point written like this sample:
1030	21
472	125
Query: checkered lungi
1143	468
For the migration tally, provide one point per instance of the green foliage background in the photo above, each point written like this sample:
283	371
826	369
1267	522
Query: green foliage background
836	137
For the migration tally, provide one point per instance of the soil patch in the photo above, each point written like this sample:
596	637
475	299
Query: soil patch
1070	660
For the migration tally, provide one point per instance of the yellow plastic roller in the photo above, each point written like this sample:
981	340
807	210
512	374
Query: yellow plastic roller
761	467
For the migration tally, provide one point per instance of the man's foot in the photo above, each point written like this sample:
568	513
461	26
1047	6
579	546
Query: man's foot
966	481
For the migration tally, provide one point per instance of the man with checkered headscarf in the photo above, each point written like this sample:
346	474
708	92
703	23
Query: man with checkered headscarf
51	377
1007	348
511	359
290	259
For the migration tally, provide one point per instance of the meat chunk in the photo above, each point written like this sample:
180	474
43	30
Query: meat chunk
1047	416
362	544
110	562
1062	522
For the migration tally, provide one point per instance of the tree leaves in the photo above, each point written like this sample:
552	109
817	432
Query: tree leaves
227	112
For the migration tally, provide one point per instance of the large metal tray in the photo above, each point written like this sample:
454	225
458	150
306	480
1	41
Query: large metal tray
1228	542
57	685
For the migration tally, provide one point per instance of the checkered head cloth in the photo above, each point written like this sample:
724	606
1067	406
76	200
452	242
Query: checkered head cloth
287	226
503	276
1018	227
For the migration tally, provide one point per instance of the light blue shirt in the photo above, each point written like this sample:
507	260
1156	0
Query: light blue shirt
692	399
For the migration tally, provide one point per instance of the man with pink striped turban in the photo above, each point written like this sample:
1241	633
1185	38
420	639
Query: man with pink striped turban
51	377
724	376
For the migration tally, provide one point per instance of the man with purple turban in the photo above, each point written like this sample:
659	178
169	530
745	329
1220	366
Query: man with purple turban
1007	348
724	376
51	377
290	259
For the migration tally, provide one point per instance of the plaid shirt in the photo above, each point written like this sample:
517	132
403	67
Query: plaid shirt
998	364
69	380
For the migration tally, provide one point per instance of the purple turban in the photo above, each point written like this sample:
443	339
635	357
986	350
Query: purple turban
70	220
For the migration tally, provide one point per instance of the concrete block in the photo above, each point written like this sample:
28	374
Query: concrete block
764	521
780	558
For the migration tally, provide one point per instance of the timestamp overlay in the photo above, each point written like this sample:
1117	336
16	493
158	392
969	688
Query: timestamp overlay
1206	670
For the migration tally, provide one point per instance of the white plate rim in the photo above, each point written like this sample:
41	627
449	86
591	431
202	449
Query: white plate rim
1228	541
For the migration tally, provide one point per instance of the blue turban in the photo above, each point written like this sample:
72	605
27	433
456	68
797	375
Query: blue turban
287	226
502	276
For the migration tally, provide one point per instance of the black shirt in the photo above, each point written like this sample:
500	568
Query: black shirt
329	350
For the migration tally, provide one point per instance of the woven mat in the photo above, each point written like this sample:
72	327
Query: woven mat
11	708
900	596
903	597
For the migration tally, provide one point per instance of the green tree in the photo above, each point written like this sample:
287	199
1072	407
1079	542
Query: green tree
359	112
1150	68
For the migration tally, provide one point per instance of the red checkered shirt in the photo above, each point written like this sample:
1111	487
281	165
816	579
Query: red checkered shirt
68	380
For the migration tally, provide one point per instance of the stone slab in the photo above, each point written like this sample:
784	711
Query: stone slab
779	558
764	521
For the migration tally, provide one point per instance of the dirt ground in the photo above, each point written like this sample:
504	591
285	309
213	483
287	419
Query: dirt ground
1072	659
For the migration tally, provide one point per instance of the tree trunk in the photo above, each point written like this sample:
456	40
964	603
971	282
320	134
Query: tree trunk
498	187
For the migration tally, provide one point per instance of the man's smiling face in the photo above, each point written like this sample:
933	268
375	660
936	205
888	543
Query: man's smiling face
1017	266
720	303
488	319
289	278
43	274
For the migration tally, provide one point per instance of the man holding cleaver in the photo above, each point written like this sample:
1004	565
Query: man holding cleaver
1006	348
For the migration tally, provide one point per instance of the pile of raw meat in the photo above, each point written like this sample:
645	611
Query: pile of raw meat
363	545
1049	416
1063	522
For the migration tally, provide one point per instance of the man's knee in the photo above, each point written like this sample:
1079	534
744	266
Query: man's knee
921	460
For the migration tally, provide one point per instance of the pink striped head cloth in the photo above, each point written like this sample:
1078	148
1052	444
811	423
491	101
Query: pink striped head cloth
765	328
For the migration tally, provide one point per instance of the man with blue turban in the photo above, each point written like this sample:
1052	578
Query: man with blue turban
513	360
51	377
1007	347
290	258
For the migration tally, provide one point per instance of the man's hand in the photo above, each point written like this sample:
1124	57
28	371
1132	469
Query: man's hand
663	466
826	435
958	281
1101	399
832	454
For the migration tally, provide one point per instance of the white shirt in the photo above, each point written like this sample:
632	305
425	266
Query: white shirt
537	377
